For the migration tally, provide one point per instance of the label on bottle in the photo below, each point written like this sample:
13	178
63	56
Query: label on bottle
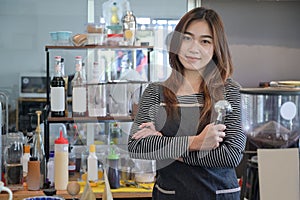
57	99
79	99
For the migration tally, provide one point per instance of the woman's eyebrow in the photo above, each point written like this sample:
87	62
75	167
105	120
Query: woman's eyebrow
202	36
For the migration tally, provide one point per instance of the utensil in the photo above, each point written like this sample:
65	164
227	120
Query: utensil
222	107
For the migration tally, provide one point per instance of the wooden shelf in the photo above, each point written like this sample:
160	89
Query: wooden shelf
21	194
89	119
150	48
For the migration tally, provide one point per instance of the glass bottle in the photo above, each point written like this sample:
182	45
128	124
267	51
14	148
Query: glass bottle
79	99
39	151
129	27
66	79
57	100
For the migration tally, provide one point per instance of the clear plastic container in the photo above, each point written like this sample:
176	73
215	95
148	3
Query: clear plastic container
118	99
144	170
270	116
13	153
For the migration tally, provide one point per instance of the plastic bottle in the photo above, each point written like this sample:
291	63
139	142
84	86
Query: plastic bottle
61	174
113	168
57	100
33	176
25	158
92	164
79	97
129	27
50	169
39	151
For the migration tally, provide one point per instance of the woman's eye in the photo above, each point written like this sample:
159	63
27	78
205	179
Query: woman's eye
206	42
186	38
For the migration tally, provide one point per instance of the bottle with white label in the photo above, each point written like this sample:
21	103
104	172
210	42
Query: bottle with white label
79	97
57	101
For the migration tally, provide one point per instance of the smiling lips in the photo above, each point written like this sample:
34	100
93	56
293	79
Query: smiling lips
192	59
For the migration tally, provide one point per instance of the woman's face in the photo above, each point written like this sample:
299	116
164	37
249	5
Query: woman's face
197	46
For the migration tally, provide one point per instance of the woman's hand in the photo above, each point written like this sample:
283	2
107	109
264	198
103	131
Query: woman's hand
209	138
146	129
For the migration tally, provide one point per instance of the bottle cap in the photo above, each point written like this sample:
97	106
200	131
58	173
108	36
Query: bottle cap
61	139
92	148
27	149
112	153
51	154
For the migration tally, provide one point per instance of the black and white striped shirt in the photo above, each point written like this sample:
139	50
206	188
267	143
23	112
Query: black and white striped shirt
229	154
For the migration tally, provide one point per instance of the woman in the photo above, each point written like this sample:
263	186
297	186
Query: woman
196	158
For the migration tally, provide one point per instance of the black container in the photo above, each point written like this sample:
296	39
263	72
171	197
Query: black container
113	174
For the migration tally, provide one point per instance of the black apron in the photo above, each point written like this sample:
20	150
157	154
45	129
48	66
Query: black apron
179	181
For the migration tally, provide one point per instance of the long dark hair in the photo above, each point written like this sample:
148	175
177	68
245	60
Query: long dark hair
217	70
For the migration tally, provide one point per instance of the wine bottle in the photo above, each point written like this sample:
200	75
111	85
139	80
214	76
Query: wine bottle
57	101
79	96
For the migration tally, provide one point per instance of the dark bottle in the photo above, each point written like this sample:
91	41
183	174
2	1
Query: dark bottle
113	169
57	90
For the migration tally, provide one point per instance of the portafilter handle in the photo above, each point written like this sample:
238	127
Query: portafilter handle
222	107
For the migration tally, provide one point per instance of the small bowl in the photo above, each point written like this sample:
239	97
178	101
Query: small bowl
50	192
64	37
53	36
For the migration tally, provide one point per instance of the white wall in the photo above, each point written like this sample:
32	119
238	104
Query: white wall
25	27
263	37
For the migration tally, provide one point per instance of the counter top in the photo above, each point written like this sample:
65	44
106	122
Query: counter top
122	192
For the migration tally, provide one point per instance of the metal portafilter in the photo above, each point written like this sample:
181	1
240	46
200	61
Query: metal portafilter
222	107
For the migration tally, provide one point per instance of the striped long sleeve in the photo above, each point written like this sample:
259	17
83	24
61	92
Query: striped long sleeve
228	154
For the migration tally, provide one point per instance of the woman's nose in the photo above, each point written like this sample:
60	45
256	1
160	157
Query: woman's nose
194	48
